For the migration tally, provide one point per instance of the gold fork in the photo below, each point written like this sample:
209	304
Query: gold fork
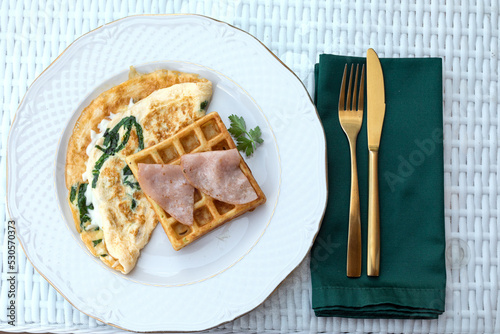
351	117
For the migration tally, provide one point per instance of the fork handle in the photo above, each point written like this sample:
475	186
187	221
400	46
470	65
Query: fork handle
354	234
373	258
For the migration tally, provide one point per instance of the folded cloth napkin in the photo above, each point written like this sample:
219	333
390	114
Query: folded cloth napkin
412	266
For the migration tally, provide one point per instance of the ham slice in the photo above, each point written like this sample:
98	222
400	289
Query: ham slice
217	174
168	187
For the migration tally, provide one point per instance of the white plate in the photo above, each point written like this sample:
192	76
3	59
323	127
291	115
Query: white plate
160	264
226	273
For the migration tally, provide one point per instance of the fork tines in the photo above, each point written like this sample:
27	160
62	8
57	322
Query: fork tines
352	97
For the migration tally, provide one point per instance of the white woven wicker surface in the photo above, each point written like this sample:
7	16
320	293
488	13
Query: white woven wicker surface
464	34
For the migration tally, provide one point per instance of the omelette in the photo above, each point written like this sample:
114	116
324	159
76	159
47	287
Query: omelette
110	210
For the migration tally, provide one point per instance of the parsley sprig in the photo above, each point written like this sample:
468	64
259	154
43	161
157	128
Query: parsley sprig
246	141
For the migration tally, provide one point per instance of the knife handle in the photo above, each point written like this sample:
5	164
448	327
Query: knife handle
373	259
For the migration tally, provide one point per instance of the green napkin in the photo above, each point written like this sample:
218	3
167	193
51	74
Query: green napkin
412	266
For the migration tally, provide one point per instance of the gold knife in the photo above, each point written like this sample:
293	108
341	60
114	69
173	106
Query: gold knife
375	120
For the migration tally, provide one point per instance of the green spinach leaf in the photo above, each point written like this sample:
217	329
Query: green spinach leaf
82	205
72	194
111	144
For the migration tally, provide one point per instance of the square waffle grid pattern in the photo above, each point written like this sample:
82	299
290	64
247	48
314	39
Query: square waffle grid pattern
206	134
465	34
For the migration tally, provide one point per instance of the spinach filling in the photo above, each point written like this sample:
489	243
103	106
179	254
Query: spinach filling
204	104
127	171
82	206
129	179
96	242
72	194
112	145
131	184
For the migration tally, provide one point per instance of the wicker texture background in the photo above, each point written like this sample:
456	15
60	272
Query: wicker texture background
465	34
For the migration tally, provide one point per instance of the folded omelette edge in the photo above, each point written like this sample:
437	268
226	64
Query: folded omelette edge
110	211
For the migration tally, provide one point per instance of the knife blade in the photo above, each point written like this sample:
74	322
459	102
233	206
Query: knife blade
375	121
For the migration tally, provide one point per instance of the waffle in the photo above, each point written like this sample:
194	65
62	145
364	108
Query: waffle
206	134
